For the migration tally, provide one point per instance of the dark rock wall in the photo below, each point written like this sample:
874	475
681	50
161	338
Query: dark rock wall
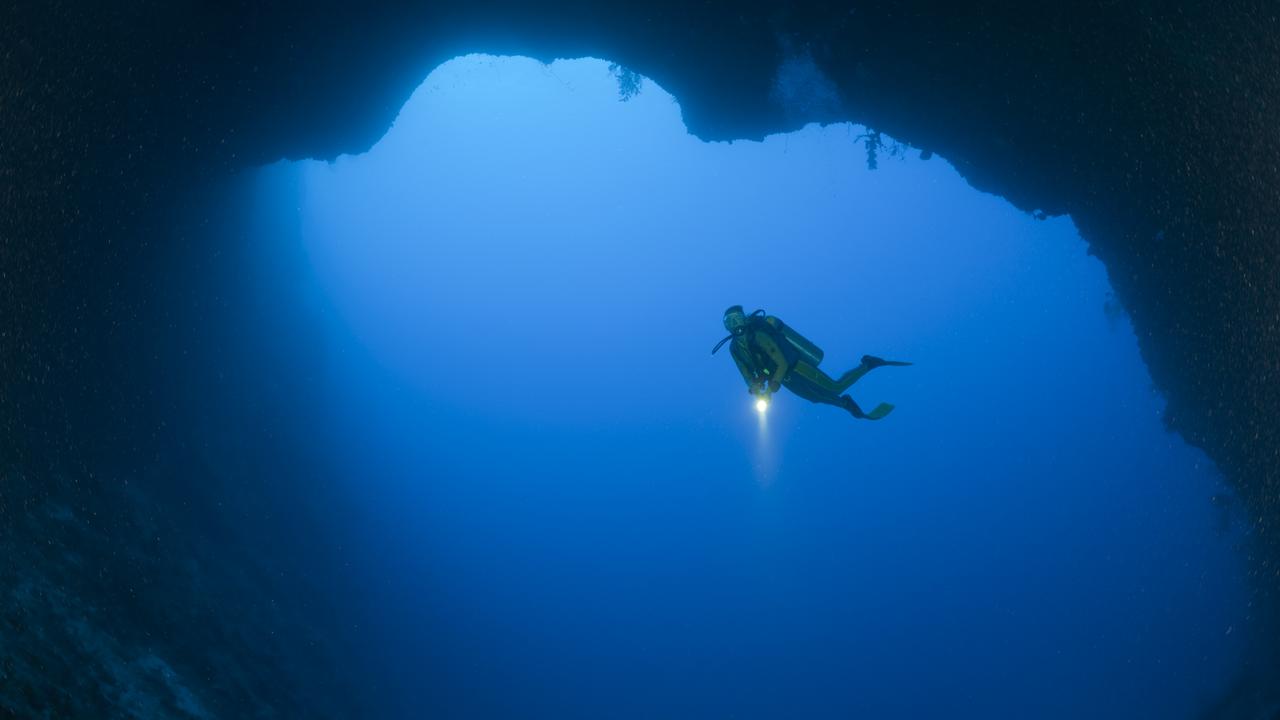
1152	124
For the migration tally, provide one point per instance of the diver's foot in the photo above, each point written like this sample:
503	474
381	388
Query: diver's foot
852	407
882	410
872	362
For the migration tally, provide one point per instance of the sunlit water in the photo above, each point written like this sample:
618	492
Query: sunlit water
561	505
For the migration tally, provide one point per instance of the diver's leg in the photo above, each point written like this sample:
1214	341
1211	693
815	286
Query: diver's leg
816	378
852	377
801	385
846	402
824	381
869	363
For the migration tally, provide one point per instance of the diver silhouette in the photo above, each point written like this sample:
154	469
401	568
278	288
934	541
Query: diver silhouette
771	355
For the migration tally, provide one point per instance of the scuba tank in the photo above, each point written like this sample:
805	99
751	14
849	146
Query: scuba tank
801	345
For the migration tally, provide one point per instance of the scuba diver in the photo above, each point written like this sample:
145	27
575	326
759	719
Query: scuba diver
771	355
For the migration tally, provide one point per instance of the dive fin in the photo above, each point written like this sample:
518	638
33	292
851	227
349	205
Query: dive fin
881	410
871	361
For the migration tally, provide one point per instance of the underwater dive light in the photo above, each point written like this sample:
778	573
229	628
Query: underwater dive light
762	403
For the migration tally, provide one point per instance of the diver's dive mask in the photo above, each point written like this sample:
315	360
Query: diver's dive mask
735	321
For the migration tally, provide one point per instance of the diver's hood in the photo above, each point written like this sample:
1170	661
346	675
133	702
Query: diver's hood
735	321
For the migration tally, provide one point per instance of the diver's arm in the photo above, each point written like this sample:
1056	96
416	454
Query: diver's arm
779	360
748	374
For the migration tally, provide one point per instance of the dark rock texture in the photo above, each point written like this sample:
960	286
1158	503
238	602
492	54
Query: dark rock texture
1152	124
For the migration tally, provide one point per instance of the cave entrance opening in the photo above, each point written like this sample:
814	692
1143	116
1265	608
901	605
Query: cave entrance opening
558	497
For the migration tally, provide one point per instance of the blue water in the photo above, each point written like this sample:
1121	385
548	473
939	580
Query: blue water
555	503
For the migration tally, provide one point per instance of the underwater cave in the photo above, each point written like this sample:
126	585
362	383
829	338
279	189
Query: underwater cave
331	391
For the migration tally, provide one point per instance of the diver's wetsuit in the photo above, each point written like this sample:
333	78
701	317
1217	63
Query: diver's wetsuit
762	353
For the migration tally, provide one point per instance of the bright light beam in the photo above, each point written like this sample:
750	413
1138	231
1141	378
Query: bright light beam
764	447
